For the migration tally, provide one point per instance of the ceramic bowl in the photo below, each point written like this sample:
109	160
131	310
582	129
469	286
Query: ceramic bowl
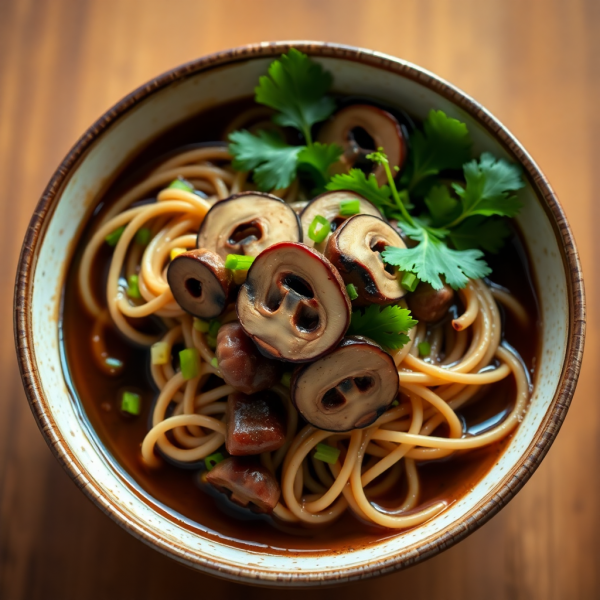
170	98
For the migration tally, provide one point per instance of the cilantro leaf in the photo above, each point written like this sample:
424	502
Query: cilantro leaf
440	203
489	184
357	181
432	258
317	158
296	87
480	232
387	326
273	161
444	143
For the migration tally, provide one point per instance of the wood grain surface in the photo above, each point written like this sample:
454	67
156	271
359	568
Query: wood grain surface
535	64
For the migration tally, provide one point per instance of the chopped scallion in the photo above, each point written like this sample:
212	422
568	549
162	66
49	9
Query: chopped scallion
160	353
319	229
143	236
175	252
189	361
201	325
327	453
395	403
210	462
211	341
181	184
131	403
286	379
424	348
214	362
112	238
133	287
410	282
238	262
213	327
351	289
349	207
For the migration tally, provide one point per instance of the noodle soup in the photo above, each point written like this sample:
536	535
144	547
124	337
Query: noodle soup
465	376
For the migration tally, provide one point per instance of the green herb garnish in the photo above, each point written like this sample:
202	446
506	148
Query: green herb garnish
214	362
211	461
387	326
349	207
181	184
133	287
189	362
409	282
201	325
112	238
352	293
319	229
213	327
143	236
286	379
327	453
424	348
160	353
238	262
131	403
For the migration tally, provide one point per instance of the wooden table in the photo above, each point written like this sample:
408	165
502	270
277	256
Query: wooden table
536	65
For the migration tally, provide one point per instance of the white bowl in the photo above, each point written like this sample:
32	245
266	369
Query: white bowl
173	97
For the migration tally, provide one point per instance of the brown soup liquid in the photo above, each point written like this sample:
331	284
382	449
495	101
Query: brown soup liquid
178	493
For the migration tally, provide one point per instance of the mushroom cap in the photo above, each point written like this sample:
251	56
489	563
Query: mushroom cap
355	250
200	283
247	223
347	389
428	304
347	128
328	205
294	303
248	481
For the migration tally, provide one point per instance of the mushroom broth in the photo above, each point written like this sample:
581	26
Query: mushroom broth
179	493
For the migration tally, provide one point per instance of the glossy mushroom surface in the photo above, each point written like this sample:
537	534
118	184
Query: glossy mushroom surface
247	482
294	303
355	250
200	283
347	389
428	304
247	223
360	129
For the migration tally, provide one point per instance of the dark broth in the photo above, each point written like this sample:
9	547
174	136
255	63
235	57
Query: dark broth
177	493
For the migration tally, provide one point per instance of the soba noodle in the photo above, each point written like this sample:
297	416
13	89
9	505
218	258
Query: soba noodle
466	355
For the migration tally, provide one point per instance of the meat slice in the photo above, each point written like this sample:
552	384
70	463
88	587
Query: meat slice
248	482
255	423
242	365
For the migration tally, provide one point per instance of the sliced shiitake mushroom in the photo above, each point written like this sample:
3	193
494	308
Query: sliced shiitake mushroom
360	129
327	205
247	223
248	482
294	303
347	389
355	250
200	283
428	304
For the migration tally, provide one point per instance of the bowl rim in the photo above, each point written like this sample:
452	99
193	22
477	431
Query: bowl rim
488	506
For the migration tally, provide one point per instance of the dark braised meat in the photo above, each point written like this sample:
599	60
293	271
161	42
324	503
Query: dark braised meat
248	482
428	304
255	423
242	365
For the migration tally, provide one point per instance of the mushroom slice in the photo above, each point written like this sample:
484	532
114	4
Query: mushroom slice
428	304
247	223
347	389
255	423
200	283
294	303
328	205
247	481
355	250
360	129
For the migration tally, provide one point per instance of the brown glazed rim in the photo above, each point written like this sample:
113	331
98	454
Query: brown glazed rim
478	515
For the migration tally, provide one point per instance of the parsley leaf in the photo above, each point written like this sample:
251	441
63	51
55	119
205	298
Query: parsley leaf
488	189
480	232
317	158
296	87
357	181
386	326
273	161
432	258
444	143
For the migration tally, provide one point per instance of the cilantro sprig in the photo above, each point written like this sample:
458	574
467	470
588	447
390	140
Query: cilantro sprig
387	326
296	87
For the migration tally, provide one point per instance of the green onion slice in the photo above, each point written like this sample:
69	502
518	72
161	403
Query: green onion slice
131	403
349	207
133	287
210	462
214	362
160	353
189	360
319	229
327	453
238	262
181	184
409	281
424	348
211	341
201	325
213	327
351	289
143	236
286	379
112	238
